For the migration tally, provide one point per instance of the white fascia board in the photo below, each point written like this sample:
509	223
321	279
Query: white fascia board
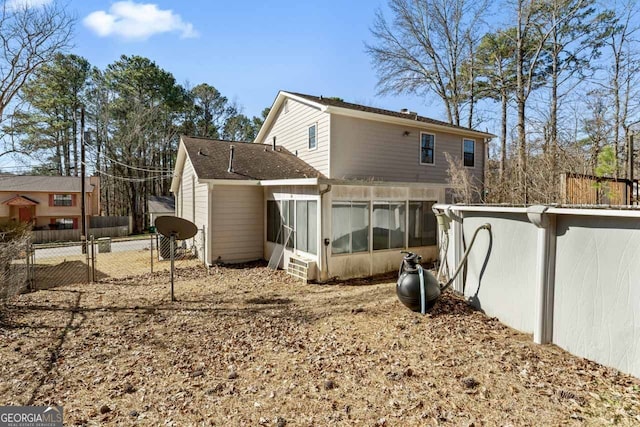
306	101
464	208
611	212
213	182
280	98
631	213
177	171
299	181
382	183
406	122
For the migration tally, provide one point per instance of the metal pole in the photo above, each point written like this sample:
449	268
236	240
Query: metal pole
93	258
173	244
204	246
630	156
151	235
86	257
92	276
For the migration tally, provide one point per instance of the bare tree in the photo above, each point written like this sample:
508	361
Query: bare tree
465	188
30	36
424	49
624	71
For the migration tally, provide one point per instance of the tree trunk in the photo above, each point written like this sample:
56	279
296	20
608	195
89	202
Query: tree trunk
503	137
74	135
553	117
521	100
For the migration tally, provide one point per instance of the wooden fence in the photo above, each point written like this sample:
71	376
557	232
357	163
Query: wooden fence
108	221
48	236
592	190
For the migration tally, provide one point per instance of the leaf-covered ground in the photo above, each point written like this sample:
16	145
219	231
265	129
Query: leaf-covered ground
248	346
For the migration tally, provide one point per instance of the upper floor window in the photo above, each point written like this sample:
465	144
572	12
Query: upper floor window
313	137
62	200
469	152
427	148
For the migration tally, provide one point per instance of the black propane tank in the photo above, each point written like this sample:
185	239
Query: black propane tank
417	288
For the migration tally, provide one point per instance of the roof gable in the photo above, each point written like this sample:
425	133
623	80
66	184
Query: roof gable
20	201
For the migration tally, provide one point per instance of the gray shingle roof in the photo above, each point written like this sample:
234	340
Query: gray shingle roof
47	184
210	159
411	116
161	204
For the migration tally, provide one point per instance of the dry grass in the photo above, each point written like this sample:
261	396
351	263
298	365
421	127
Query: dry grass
251	346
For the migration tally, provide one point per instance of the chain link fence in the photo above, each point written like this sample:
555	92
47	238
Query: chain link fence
15	263
103	259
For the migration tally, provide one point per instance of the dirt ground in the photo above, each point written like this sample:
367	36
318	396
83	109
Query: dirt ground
249	346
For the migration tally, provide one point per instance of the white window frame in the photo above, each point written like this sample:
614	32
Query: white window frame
350	203
420	149
315	126
474	152
406	228
63	198
64	222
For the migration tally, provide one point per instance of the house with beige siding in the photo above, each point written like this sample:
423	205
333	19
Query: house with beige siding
327	189
47	202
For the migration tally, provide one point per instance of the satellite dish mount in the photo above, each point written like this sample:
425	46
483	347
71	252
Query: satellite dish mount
175	228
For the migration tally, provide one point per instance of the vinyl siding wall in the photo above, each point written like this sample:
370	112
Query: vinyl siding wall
237	218
365	149
193	199
186	191
291	129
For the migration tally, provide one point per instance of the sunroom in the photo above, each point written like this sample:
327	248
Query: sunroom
322	231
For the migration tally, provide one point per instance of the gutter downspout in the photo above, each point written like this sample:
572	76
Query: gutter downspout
325	241
545	272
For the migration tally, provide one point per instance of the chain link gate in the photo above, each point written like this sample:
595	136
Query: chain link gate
96	260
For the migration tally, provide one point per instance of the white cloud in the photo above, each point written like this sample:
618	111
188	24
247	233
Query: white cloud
136	21
26	4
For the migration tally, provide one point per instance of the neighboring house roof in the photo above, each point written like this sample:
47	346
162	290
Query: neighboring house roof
159	204
337	106
43	183
210	159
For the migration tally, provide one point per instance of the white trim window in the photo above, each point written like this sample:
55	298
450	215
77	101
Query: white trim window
469	152
427	148
422	224
350	227
307	226
64	223
313	136
62	200
388	222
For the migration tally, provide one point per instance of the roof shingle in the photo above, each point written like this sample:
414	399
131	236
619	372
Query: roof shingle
44	183
335	102
161	204
210	159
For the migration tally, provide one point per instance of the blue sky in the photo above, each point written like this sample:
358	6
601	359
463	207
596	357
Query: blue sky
247	49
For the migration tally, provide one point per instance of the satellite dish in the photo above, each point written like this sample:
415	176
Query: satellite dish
179	228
